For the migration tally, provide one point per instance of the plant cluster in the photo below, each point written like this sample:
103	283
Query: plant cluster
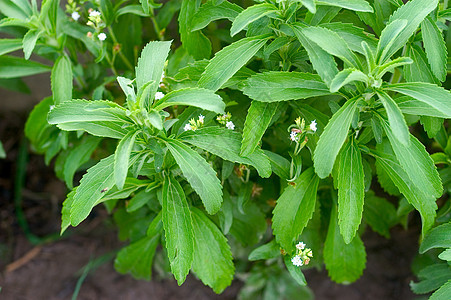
259	125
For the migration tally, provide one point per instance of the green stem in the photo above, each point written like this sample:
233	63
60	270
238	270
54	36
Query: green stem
121	54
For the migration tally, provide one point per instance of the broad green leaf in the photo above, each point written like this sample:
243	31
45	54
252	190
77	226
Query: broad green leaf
249	224
295	272
432	277
11	67
282	86
251	14
431	94
419	70
389	37
431	125
29	42
114	130
344	262
351	190
258	118
226	143
61	80
435	47
198	97
6	22
379	213
178	229
137	257
195	43
442	293
266	251
229	60
131	9
310	5
151	63
439	237
199	174
354	36
37	128
356	5
279	164
414	12
322	61
398	125
210	12
347	76
91	190
333	44
65	211
122	158
12	10
213	261
412	106
77	157
294	209
333	137
9	45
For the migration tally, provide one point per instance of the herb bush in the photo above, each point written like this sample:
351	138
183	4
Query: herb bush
247	139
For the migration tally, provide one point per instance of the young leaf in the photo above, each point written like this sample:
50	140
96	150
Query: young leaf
11	67
128	89
251	14
344	262
266	251
210	12
333	137
351	191
282	86
294	209
229	60
91	190
151	63
178	228
438	237
431	94
61	80
397	123
225	143
29	42
388	37
356	5
199	174
391	65
258	118
345	77
213	261
122	157
295	272
202	98
435	48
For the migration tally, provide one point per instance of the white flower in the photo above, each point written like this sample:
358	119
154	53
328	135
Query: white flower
300	246
75	16
297	261
201	119
187	127
313	126
94	13
102	36
52	107
294	136
159	95
230	125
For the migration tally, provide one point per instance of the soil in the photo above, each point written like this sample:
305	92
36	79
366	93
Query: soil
51	270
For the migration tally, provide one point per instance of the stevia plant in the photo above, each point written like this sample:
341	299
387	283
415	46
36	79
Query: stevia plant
263	158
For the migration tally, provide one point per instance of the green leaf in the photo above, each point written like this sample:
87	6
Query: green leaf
282	86
12	10
151	63
391	65
356	5
412	106
213	261
147	5
210	12
347	76
114	130
92	189
351	190
199	174
226	143
439	237
344	262
195	43
229	60
61	80
354	36
333	44
29	42
178	229
435	47
65	211
379	213
11	67
279	164
258	118
398	125
333	137
266	251
128	89
432	277
137	257
419	70
431	94
2	151
9	45
122	158
442	293
294	209
310	5
251	14
295	272
198	97
431	125
414	12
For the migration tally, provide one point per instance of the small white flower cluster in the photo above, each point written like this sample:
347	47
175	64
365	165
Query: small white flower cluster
193	124
96	22
75	16
101	36
94	13
303	255
159	95
225	120
299	128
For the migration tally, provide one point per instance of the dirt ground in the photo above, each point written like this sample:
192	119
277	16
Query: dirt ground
51	271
